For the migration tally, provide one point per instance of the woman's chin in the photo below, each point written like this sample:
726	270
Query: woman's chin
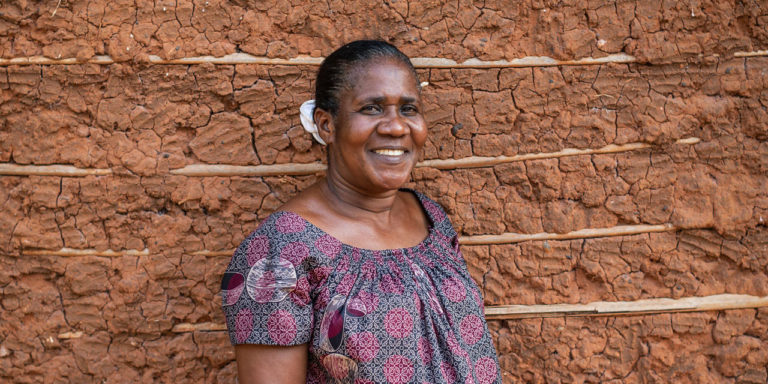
390	182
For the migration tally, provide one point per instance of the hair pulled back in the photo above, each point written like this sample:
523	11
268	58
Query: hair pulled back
336	70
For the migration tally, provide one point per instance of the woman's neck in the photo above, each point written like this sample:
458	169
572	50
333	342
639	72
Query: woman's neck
350	201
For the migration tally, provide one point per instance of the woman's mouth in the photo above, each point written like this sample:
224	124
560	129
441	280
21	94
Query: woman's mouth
389	152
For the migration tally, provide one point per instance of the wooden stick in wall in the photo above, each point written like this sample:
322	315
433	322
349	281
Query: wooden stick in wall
602	308
203	170
69	252
504	238
587	233
419	62
50	170
654	306
190	327
479	161
244	58
751	54
295	169
618	308
291	169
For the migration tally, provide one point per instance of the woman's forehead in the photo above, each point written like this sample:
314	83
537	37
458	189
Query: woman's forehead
379	79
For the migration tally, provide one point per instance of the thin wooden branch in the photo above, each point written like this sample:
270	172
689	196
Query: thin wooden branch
227	252
70	252
751	54
587	233
56	9
204	170
244	58
70	335
525	62
188	327
42	60
504	238
601	308
85	252
509	238
50	170
478	161
722	302
295	169
249	170
418	62
619	308
238	58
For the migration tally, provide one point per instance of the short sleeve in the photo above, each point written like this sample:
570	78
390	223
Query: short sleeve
265	290
445	233
437	216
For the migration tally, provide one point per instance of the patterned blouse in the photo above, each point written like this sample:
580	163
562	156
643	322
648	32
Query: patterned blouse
409	315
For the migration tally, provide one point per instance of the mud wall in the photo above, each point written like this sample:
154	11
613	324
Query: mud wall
638	178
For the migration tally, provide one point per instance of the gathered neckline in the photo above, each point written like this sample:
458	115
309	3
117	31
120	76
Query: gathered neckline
431	228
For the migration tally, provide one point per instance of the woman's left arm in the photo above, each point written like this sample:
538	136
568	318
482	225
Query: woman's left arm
258	363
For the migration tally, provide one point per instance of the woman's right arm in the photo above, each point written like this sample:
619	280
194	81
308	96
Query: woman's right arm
257	364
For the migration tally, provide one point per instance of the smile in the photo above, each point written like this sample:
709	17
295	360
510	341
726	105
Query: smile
389	152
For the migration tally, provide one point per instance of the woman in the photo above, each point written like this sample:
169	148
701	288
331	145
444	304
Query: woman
354	279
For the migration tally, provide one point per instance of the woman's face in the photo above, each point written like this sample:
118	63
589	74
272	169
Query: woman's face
379	130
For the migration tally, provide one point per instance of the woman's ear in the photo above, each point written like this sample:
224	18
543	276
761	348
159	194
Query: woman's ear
324	123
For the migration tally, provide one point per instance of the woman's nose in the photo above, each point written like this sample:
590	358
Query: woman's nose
393	125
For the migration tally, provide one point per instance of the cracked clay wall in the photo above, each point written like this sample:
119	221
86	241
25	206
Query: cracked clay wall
635	168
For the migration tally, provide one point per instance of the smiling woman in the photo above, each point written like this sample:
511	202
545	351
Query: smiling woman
356	280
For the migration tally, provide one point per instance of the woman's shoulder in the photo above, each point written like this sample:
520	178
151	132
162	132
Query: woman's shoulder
434	211
279	227
273	234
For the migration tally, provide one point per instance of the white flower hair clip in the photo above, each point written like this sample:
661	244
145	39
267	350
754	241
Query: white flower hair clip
307	119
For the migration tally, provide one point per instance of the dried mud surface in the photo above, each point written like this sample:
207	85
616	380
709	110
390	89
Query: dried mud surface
146	120
724	347
490	30
142	121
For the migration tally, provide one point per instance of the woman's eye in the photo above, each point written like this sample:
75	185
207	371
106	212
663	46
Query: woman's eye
409	109
370	109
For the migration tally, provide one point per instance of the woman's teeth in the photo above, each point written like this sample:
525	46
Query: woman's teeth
389	152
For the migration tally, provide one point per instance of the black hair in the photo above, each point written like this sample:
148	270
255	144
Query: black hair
336	70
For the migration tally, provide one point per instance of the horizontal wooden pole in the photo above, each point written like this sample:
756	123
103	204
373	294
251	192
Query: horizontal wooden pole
50	170
204	170
295	169
722	302
525	62
187	327
509	238
752	54
504	238
237	58
587	233
227	252
70	335
418	62
67	252
292	169
479	161
655	306
244	58
638	307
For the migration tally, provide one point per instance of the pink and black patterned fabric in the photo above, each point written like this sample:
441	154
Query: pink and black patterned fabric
410	315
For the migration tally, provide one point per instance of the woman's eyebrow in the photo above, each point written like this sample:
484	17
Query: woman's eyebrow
382	99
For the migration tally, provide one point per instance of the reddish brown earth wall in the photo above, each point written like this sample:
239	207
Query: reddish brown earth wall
139	301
